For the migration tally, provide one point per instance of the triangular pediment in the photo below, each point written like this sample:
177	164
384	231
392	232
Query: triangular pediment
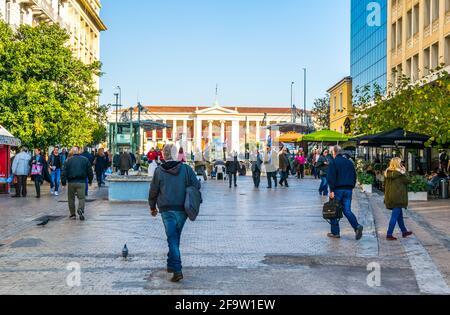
216	110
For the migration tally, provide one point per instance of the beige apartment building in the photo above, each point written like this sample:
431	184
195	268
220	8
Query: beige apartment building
81	19
418	37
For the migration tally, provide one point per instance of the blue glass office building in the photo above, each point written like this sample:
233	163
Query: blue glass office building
368	43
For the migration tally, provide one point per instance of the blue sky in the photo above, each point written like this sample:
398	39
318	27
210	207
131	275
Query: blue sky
174	52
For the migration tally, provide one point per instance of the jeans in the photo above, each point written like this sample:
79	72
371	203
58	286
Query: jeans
37	184
230	177
396	217
270	176
323	189
256	178
301	172
173	223
76	190
21	186
56	178
284	177
345	198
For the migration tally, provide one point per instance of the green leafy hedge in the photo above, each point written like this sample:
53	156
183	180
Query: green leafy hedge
418	184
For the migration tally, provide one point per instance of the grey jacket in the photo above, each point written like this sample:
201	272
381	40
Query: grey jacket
168	187
21	164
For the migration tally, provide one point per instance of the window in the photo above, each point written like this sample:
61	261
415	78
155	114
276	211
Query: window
416	15
447	50
335	105
409	68
399	31
340	102
394	36
427	13
435	56
447	5
426	61
415	67
409	24
435	10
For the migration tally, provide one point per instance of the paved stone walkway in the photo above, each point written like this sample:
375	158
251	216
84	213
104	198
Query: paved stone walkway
246	241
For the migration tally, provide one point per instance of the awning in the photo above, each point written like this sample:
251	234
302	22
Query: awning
326	136
291	137
396	137
6	138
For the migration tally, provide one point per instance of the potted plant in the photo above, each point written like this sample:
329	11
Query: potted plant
366	181
418	189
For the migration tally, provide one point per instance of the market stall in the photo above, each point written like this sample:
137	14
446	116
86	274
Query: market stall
7	140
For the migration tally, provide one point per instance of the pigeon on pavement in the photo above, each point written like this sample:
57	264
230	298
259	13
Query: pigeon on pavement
125	251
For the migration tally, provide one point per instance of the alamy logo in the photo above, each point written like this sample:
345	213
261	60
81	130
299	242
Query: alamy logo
374	16
374	277
74	277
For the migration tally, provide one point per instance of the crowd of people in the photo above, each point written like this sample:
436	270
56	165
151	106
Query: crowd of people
172	176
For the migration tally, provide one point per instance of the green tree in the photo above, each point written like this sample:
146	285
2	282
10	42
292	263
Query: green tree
47	96
422	106
321	111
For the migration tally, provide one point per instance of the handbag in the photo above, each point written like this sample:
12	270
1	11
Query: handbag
36	170
193	199
333	210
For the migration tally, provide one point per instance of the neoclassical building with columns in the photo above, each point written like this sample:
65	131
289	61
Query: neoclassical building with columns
195	128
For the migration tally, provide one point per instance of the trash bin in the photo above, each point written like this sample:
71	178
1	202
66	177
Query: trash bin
443	189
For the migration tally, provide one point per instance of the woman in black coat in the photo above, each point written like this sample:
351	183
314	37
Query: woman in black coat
101	164
38	162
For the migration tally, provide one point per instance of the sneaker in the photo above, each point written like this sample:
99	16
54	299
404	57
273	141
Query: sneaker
81	214
405	235
52	192
331	235
359	232
73	217
56	193
391	238
177	277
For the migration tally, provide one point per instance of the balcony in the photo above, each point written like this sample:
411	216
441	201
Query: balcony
43	10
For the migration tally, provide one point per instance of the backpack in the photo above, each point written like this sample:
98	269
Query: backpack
193	199
333	210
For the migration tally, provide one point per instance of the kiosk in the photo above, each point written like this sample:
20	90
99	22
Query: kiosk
7	141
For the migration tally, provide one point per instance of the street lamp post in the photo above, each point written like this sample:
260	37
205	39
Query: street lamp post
292	103
116	127
305	121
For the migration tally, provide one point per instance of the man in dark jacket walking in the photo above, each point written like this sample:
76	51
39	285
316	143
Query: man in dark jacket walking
256	169
168	193
284	167
232	166
342	180
75	172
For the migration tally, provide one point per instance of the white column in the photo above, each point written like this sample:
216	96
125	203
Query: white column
222	131
154	136
247	130
174	131
185	129
198	134
210	131
235	136
258	131
267	131
164	132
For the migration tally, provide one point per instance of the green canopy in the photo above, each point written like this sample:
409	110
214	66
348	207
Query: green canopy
325	136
